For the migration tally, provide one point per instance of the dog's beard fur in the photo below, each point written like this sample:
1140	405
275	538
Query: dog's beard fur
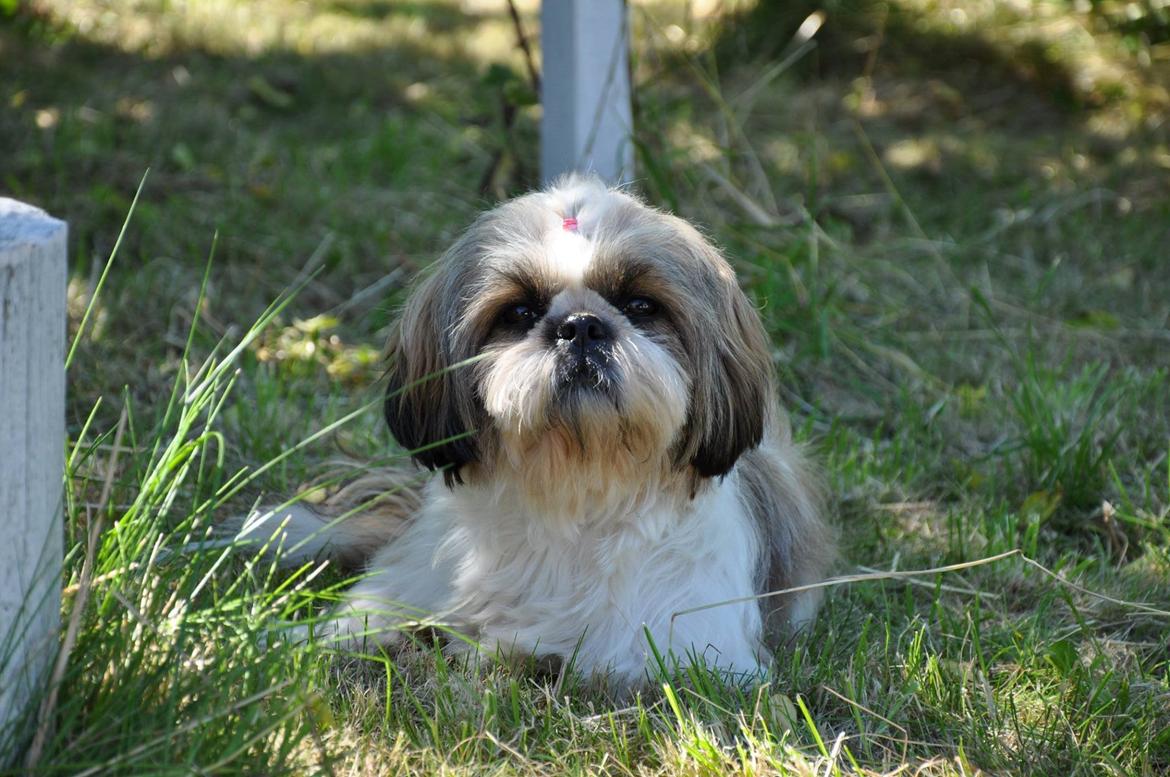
662	432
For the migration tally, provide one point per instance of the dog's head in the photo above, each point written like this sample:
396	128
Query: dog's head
577	334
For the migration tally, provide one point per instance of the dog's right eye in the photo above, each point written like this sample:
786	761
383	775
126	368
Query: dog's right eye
520	315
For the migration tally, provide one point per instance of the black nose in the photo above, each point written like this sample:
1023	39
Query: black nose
583	329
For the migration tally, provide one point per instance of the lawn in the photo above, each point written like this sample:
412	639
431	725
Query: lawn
955	220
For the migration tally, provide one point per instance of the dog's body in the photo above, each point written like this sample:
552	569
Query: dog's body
598	393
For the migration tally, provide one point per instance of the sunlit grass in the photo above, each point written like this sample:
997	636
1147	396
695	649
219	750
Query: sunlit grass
314	28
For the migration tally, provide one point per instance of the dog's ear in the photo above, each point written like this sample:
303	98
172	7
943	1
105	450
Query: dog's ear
732	389
426	403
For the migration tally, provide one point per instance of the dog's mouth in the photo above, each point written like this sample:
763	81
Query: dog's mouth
584	372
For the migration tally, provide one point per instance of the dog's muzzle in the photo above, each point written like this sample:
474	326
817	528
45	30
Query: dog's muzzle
584	347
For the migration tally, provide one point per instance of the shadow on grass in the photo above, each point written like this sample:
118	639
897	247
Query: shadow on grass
859	35
259	130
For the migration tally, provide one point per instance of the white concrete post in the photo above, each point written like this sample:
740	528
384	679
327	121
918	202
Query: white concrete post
32	452
587	122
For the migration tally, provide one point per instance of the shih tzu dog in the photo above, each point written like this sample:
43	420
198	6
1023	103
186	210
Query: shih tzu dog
596	395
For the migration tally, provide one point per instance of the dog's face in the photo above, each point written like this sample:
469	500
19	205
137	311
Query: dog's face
575	340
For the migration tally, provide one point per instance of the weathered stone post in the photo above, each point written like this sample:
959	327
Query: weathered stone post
587	122
32	449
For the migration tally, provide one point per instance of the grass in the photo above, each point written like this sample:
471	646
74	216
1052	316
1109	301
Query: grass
953	218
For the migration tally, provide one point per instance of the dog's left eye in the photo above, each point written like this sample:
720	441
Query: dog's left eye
640	307
520	315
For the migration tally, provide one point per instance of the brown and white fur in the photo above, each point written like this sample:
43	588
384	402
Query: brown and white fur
597	393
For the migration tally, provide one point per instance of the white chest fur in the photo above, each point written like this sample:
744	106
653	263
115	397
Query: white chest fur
593	588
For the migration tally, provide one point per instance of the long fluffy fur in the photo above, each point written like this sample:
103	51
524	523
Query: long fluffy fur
574	516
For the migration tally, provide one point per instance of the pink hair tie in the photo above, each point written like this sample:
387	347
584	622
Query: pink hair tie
569	224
